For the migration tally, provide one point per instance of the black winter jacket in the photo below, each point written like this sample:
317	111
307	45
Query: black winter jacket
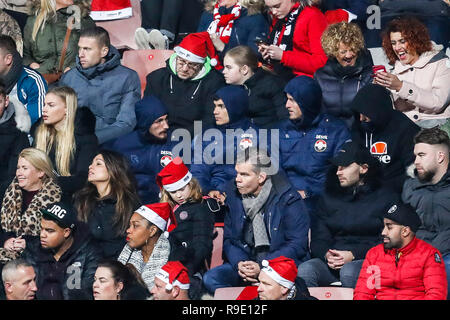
72	275
186	100
339	85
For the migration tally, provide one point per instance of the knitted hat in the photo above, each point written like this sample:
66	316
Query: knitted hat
174	176
405	215
174	273
195	47
160	214
283	270
110	9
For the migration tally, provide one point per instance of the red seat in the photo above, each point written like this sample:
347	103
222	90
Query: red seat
331	293
121	32
145	61
230	293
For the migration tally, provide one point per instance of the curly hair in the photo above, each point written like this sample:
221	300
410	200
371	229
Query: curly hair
347	33
413	31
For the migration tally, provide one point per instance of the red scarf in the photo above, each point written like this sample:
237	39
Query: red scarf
222	25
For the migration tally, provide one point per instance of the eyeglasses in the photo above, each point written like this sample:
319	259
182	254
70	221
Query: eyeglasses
191	65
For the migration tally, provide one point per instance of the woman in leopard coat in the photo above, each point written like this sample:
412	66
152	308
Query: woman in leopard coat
32	188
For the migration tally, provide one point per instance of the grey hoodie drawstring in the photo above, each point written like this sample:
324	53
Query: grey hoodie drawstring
195	91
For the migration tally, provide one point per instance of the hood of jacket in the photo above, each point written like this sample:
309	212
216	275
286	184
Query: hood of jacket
112	60
7	114
171	65
236	102
375	102
85	5
148	110
308	95
424	59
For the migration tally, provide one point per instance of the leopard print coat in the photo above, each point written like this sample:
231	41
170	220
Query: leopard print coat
28	222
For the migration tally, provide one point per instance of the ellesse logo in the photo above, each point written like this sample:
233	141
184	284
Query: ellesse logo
379	149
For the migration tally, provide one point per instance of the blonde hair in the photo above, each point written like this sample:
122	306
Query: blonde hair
343	32
63	140
40	160
46	12
195	196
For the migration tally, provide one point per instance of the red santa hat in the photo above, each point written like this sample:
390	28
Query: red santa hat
283	270
160	214
110	9
195	47
174	176
339	15
174	273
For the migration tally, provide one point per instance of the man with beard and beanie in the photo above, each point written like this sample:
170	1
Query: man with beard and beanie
109	89
428	191
188	82
348	218
65	261
148	148
403	267
237	134
386	132
266	218
308	139
26	87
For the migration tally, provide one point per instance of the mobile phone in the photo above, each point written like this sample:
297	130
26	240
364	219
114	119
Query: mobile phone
260	41
378	68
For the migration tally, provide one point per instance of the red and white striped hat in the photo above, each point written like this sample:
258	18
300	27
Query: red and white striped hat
174	273
160	214
283	270
174	176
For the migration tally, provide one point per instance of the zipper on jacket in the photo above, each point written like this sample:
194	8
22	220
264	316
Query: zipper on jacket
397	258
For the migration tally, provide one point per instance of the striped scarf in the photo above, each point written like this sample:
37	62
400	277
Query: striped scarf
222	25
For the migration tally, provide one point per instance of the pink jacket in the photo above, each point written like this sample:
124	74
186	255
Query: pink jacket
426	84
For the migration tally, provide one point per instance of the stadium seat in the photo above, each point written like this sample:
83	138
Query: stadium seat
145	61
231	293
331	293
121	32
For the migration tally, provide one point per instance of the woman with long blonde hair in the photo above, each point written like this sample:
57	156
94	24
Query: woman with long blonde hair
67	134
46	29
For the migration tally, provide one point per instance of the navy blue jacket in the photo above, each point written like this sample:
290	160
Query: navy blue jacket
306	144
286	218
245	29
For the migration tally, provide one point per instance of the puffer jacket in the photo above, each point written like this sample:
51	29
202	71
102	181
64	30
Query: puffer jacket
432	204
414	272
340	84
110	100
186	100
426	85
46	49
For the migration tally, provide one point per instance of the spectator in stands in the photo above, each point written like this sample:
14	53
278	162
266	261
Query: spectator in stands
19	280
293	46
95	81
308	139
12	139
187	83
67	134
232	23
114	281
348	218
265	90
26	88
349	68
45	33
66	259
386	132
403	267
427	191
171	282
278	281
214	172
191	241
33	188
18	9
355	10
420	80
10	27
165	22
266	218
107	201
148	148
147	248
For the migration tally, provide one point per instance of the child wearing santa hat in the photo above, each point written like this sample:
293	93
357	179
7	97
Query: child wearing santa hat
191	241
